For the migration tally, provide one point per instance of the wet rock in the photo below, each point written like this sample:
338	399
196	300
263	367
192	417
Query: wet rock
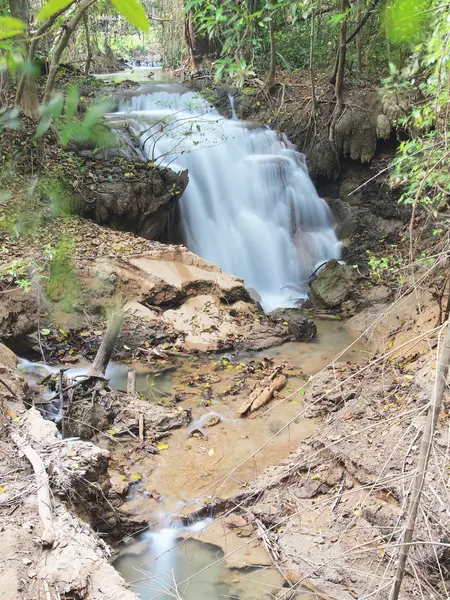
298	327
212	421
333	285
121	413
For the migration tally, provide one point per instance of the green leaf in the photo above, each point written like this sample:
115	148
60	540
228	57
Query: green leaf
52	7
55	106
11	24
134	13
44	124
405	20
337	18
45	331
113	431
71	105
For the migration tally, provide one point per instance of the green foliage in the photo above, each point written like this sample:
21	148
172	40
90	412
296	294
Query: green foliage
10	27
52	7
62	113
406	19
62	283
133	11
423	163
239	32
15	272
384	266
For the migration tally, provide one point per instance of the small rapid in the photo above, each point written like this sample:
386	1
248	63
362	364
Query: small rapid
250	206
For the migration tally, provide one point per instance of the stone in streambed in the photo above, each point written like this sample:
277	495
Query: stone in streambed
297	326
333	285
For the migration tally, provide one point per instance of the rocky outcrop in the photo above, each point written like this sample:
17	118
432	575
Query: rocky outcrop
121	413
130	195
333	285
204	308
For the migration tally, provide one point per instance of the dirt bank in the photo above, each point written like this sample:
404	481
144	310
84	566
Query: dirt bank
58	553
335	510
172	298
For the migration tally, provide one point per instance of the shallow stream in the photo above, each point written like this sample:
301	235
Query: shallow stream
179	480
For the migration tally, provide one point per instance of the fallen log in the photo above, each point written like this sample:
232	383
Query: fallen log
43	488
268	393
263	393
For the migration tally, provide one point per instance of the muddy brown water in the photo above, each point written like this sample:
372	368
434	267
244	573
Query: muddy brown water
219	463
201	463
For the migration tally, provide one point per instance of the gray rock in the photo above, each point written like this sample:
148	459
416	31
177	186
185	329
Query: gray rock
333	285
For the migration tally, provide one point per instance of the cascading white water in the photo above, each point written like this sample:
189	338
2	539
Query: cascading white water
250	206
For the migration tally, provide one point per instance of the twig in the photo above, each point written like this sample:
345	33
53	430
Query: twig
422	464
8	388
141	428
131	382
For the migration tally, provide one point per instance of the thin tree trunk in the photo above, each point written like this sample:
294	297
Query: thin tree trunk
88	45
273	55
20	9
103	355
62	45
422	464
311	66
351	37
339	85
358	38
189	36
388	42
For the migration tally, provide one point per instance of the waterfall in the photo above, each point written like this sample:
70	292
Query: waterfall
250	206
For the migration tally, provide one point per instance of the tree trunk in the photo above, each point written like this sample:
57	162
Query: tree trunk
32	49
351	37
311	66
20	9
88	45
422	463
273	55
339	85
190	39
28	99
68	30
103	355
359	39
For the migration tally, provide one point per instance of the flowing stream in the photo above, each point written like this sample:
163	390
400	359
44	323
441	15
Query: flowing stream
250	206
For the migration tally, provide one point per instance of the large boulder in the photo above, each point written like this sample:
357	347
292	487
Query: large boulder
333	285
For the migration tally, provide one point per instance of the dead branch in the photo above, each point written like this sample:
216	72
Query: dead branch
103	355
422	464
43	488
131	382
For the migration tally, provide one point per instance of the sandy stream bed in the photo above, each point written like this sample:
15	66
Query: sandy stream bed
329	493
